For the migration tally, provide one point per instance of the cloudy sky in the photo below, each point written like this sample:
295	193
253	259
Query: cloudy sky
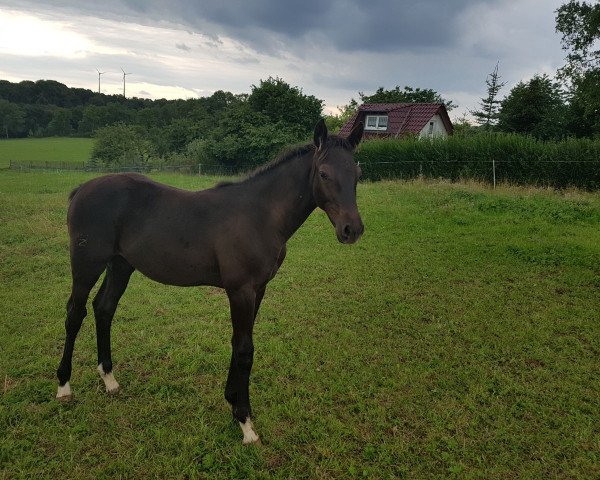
331	49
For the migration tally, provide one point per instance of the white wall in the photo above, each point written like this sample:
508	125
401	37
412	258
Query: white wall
438	128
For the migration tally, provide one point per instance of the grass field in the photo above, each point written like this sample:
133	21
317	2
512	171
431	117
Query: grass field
40	150
458	339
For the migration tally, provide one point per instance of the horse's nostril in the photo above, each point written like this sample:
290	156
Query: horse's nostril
346	231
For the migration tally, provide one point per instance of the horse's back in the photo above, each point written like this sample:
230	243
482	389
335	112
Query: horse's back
103	198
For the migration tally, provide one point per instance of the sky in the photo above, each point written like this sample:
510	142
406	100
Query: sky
330	49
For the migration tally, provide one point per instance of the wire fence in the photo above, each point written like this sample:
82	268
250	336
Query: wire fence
50	166
493	171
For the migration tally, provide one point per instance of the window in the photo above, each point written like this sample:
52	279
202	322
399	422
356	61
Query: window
376	122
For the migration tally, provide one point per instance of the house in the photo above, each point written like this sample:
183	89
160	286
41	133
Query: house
385	120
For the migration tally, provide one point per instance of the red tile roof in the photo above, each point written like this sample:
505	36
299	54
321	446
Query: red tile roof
403	118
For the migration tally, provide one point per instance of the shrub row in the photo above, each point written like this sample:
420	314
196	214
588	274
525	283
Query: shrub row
515	159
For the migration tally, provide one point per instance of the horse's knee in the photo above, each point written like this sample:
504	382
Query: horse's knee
231	396
243	352
244	360
99	312
75	316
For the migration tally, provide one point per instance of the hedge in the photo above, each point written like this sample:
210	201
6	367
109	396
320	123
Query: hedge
517	159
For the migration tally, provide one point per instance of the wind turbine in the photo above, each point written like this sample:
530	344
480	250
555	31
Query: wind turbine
124	75
99	73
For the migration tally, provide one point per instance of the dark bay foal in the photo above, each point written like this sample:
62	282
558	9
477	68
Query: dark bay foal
232	236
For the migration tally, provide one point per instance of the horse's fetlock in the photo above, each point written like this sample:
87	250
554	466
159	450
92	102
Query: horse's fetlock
241	412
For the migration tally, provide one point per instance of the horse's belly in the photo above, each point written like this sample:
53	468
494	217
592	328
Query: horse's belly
176	268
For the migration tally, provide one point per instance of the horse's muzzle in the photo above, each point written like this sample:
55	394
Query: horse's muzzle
349	231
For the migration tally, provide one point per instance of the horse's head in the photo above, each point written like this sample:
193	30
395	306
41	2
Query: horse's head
335	176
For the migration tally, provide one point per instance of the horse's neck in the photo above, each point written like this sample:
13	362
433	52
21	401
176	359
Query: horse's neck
287	190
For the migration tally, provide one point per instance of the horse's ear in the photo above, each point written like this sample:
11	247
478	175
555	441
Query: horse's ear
320	134
356	134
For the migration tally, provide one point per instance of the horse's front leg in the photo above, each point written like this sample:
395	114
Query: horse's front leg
242	304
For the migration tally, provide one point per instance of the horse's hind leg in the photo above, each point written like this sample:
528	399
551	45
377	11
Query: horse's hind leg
84	278
105	304
242	304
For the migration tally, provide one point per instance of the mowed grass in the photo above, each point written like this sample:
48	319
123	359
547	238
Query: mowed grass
40	150
458	339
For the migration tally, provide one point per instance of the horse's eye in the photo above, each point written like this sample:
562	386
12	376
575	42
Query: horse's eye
323	175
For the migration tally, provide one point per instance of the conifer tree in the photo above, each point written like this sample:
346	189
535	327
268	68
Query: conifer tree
487	117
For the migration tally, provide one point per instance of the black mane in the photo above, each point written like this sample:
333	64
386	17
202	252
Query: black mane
288	154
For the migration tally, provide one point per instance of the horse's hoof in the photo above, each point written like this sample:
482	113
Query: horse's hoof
113	391
64	393
112	386
256	442
250	436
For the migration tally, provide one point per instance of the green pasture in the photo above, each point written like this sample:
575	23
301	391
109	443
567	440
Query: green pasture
40	150
460	338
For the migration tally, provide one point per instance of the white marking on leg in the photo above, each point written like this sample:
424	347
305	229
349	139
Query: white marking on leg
250	435
109	380
64	392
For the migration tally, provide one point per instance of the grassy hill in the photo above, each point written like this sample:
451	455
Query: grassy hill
40	150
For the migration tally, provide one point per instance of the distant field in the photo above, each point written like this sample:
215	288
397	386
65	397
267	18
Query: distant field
459	339
39	150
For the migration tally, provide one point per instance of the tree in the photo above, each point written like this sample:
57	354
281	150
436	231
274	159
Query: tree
336	122
219	101
37	118
121	144
283	103
487	117
176	135
11	119
406	95
245	138
95	117
463	128
579	24
60	125
584	105
534	108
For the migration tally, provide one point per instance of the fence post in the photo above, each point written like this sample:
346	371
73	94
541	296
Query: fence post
199	169
494	171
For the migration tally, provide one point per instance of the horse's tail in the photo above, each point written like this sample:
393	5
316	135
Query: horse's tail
73	193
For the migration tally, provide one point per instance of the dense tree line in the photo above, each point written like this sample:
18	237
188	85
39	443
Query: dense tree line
224	128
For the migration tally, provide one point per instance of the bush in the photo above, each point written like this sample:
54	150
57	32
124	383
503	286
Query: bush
518	159
122	145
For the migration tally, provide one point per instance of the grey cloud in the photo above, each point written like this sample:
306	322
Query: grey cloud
182	46
266	25
339	47
346	25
